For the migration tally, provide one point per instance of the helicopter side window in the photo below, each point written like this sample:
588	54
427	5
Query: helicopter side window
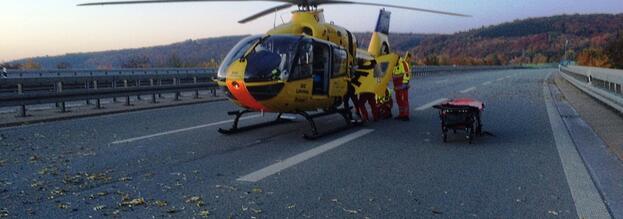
340	59
322	61
304	61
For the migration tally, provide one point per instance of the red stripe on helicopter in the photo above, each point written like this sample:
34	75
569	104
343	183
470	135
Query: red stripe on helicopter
239	90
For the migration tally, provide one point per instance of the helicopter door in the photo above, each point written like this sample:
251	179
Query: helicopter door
321	69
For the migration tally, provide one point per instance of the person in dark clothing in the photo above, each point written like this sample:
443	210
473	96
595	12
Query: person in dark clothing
4	73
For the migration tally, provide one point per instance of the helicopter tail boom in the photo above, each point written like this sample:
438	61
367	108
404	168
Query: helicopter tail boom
379	44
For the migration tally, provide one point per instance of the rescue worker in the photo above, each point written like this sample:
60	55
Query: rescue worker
4	73
366	84
384	104
368	97
402	75
351	96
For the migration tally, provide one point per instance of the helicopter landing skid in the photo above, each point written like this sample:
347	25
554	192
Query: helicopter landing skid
235	129
314	130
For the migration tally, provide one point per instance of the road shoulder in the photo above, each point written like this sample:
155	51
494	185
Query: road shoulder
604	166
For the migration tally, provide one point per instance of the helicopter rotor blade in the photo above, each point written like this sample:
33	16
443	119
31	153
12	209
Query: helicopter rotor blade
174	1
265	12
322	2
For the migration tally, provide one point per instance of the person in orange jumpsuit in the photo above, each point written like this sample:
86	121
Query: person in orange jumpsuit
402	75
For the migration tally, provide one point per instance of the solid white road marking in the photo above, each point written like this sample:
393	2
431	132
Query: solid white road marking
292	161
588	202
441	81
499	79
180	130
486	83
468	90
431	104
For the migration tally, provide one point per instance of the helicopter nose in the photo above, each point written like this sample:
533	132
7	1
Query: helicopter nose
238	89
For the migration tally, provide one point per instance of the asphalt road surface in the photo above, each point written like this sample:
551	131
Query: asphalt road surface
172	163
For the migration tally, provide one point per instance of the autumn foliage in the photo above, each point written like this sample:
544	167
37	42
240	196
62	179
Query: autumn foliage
593	57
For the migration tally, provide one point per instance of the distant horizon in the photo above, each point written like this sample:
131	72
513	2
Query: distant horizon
61	28
181	41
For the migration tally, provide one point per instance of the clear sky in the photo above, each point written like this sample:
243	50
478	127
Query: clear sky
54	27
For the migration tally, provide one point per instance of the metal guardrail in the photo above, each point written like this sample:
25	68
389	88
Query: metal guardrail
427	70
135	72
23	88
601	83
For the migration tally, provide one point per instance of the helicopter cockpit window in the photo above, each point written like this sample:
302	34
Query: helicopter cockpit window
271	58
235	54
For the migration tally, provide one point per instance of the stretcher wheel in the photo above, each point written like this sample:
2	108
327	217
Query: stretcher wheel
471	134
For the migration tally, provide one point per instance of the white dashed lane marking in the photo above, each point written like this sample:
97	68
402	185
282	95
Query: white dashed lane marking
431	104
129	140
292	161
468	90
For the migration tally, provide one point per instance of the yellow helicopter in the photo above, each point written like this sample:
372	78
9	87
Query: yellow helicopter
303	66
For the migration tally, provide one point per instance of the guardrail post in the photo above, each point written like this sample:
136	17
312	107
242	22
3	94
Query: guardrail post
57	104
20	91
114	85
127	98
153	95
196	90
138	84
59	89
98	102
86	86
177	93
160	84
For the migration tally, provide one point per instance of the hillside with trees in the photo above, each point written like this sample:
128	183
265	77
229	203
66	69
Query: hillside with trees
592	39
534	40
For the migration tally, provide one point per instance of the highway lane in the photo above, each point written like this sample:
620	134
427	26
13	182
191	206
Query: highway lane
72	168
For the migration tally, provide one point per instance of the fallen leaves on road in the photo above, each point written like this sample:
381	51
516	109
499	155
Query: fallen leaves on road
161	203
48	170
57	192
204	213
174	210
125	179
98	194
256	210
37	184
133	202
196	200
350	211
33	158
555	213
435	211
226	187
99	207
74	180
291	206
256	190
4	212
63	205
98	177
